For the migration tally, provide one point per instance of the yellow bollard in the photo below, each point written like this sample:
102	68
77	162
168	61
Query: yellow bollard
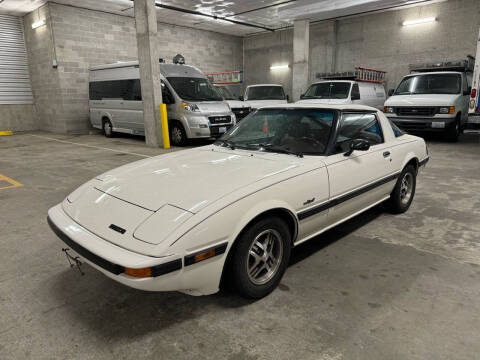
5	133
164	120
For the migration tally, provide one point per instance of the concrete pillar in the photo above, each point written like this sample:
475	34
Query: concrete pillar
301	46
146	26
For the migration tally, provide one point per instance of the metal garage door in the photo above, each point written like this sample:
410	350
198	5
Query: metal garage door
14	77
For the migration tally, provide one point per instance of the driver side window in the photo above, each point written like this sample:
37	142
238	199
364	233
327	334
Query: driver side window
358	126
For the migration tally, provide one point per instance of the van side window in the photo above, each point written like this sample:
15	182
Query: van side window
167	97
358	126
355	92
115	90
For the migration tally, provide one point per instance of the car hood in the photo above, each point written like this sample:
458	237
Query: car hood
255	104
191	179
325	101
235	104
213	106
422	100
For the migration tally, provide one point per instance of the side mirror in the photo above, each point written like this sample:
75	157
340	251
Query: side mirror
390	92
302	96
359	145
355	96
468	91
287	97
240	98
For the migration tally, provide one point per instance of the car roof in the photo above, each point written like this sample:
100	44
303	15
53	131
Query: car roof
264	85
326	80
349	107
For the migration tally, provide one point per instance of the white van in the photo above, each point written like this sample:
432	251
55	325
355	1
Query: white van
430	100
343	92
239	108
195	108
264	94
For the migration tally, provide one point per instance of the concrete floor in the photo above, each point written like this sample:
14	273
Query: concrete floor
377	287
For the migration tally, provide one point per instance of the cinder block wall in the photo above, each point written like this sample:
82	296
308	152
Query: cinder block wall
83	38
375	40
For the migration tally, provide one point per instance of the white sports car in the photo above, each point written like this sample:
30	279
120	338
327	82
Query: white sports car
236	208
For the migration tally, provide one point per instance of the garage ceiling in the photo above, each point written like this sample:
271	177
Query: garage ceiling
273	14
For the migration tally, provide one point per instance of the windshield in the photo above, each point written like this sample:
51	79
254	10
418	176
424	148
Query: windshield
194	89
266	93
227	95
430	84
295	131
328	90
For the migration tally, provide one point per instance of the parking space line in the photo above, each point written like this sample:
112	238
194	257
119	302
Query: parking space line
91	146
13	183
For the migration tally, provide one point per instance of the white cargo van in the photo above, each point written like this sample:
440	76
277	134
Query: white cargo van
363	86
239	108
474	103
195	108
264	94
434	98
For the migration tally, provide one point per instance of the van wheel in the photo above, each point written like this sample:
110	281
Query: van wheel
454	133
178	136
107	128
260	257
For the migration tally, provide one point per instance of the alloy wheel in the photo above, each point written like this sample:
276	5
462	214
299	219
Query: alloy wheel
264	256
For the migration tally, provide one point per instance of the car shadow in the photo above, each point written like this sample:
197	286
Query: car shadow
111	309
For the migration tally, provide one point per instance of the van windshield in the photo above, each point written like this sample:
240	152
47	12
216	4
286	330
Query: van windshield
328	90
227	95
194	89
430	84
266	93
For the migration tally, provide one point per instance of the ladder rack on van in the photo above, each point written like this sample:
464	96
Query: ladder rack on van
464	65
226	77
359	74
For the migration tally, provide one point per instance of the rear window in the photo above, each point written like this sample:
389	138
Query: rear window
115	90
329	90
266	93
396	130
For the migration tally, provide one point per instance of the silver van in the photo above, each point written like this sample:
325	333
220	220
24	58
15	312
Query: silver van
195	109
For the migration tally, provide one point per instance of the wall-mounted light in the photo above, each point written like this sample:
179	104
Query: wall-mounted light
279	67
38	23
419	21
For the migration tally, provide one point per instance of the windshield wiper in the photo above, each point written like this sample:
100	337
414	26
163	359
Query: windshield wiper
277	149
228	143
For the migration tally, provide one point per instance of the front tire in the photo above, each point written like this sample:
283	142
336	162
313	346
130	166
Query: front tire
260	257
178	137
402	195
454	133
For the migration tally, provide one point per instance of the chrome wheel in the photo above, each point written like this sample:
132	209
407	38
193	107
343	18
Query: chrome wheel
406	188
264	256
177	135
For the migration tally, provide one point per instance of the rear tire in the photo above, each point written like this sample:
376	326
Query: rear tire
402	195
107	128
178	136
260	257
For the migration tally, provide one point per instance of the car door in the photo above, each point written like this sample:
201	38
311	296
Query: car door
362	178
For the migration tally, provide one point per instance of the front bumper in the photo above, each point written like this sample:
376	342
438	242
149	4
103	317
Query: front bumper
169	273
432	124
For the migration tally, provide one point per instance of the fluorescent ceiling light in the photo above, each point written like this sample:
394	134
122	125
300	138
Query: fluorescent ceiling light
278	67
419	21
38	23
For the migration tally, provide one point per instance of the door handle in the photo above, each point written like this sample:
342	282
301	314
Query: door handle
386	154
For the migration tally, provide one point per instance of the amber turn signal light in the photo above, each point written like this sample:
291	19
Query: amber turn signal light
139	273
204	255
